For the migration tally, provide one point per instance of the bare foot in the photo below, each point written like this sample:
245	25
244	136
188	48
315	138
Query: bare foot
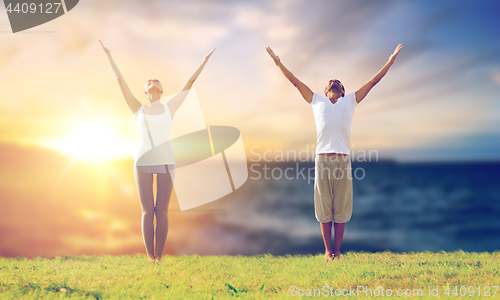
336	255
328	255
157	260
151	258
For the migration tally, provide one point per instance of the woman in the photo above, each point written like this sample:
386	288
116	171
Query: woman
155	155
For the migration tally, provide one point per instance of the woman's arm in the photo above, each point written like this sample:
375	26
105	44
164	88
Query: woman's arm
175	103
132	102
363	91
304	90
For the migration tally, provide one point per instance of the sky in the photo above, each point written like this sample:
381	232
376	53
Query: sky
438	102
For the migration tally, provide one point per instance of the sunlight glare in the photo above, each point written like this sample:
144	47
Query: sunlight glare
92	140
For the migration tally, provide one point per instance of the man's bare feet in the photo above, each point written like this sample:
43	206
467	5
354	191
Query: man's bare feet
328	255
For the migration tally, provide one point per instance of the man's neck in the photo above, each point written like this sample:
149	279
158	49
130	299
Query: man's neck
333	101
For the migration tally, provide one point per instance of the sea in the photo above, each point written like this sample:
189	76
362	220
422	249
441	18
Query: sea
400	207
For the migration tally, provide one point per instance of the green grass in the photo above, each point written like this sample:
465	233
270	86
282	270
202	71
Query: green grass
246	277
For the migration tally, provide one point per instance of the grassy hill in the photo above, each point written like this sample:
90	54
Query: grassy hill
357	274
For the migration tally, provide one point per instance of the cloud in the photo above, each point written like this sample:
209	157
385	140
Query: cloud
7	54
83	210
495	76
317	41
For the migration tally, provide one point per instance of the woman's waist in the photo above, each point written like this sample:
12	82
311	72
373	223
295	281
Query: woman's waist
161	148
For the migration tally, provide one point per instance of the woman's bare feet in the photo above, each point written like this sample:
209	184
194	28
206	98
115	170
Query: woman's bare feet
328	255
157	260
336	255
151	258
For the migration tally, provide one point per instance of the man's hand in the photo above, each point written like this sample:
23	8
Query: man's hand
106	50
306	92
273	56
393	56
363	91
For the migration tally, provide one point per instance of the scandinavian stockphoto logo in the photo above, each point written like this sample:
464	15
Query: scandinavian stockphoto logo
30	13
210	161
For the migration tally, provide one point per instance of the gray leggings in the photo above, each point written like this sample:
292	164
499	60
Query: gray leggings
164	184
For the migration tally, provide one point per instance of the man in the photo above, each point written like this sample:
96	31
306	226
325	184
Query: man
333	178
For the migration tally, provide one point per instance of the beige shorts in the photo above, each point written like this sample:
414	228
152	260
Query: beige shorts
333	188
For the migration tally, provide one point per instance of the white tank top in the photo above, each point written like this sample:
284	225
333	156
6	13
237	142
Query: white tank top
154	130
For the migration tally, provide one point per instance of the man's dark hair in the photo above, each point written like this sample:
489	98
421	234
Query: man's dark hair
336	85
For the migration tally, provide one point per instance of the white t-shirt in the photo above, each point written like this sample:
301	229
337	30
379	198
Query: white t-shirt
333	123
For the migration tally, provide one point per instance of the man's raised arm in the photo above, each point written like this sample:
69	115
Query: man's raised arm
306	92
363	91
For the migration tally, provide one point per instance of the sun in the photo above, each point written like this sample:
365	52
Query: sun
91	140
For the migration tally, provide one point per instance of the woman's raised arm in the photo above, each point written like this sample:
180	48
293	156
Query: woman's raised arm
132	102
175	103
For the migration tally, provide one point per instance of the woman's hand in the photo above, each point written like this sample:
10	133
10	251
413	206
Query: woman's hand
396	52
208	55
275	57
106	50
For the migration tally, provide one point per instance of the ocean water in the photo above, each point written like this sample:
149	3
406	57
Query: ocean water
400	207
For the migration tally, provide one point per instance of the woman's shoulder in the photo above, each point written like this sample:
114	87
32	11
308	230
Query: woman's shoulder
138	111
166	105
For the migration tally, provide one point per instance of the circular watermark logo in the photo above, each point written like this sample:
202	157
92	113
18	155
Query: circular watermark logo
31	13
